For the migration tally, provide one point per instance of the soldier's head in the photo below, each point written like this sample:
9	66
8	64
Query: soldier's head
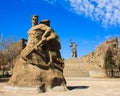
45	21
35	20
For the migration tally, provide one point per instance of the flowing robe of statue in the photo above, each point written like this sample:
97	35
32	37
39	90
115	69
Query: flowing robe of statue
40	65
74	49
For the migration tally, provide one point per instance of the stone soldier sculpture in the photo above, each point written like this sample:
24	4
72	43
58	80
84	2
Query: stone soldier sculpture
74	50
40	63
46	38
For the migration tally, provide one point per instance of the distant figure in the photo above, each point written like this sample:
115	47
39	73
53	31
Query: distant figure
74	50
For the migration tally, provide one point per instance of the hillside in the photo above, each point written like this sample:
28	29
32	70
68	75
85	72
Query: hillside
94	61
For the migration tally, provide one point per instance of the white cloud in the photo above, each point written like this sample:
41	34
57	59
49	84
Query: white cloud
105	11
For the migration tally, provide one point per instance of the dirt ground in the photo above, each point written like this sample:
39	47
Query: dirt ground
78	86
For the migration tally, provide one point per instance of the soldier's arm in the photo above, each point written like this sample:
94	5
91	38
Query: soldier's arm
49	34
52	36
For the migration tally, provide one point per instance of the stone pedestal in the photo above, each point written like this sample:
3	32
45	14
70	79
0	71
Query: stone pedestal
43	77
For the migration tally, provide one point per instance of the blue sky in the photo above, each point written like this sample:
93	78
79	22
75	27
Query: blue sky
86	22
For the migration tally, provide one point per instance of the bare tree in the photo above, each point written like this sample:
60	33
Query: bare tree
2	56
9	50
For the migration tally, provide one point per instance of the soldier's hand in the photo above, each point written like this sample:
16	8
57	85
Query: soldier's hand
35	47
44	39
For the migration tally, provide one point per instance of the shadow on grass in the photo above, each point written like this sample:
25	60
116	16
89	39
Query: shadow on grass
4	80
77	87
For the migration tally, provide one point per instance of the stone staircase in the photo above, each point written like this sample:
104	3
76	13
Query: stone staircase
75	68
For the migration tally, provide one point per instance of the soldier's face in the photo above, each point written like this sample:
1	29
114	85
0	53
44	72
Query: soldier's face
34	20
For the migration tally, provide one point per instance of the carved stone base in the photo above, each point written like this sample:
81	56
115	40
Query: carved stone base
29	75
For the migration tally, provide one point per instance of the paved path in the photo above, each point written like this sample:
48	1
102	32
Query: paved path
79	86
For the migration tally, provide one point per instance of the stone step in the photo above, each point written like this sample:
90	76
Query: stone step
74	68
75	73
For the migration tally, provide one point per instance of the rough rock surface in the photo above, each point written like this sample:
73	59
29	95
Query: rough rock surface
26	74
97	57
